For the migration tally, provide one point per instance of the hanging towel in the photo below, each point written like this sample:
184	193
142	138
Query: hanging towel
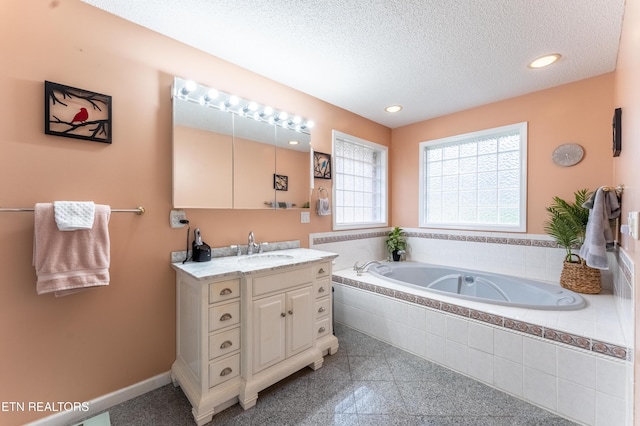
322	207
74	215
603	206
68	262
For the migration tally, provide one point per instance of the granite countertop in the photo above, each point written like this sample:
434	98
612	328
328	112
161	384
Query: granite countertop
248	264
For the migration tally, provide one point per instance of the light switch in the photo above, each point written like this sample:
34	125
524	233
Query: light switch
632	219
305	217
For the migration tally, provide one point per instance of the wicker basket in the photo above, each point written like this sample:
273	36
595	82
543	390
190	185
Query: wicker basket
578	277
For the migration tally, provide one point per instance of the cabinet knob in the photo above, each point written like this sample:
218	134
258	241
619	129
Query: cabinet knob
226	344
321	271
283	315
290	311
226	371
226	317
321	290
321	330
322	309
225	291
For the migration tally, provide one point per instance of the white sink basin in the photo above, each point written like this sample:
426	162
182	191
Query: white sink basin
264	258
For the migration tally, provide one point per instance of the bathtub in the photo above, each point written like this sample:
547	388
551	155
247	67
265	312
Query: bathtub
479	286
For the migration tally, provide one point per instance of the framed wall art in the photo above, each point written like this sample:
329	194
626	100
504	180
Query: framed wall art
616	125
321	165
77	113
280	182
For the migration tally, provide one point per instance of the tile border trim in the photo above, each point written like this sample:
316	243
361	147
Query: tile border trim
516	240
580	342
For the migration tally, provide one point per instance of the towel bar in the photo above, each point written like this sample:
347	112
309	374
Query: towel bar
138	210
618	189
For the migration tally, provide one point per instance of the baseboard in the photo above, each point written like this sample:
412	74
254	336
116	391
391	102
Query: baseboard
106	401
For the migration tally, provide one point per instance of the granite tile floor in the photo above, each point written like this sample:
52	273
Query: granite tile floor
367	383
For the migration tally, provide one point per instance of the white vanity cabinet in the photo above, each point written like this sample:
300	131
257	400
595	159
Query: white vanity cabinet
239	332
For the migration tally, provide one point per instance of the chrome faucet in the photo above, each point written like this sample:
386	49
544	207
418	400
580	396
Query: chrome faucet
252	244
360	269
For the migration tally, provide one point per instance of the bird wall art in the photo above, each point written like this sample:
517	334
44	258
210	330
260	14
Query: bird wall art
77	113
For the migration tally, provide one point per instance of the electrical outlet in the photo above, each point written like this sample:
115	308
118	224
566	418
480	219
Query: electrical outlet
305	217
175	217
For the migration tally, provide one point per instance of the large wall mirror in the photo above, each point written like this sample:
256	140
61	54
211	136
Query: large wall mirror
231	153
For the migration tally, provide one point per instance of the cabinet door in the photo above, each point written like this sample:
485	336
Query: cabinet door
299	320
269	331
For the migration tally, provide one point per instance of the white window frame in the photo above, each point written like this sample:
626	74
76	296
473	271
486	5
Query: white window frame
459	139
384	186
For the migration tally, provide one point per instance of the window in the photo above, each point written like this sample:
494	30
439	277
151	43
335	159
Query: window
360	182
476	180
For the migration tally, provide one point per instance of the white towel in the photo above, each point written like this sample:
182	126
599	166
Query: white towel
74	215
603	207
322	207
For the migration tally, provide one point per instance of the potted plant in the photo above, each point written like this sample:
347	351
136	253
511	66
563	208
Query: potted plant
396	243
567	224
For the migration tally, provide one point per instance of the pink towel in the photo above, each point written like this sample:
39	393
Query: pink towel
68	262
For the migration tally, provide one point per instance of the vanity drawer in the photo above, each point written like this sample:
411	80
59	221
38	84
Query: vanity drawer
223	370
280	281
224	315
322	288
224	290
322	307
224	343
322	269
323	327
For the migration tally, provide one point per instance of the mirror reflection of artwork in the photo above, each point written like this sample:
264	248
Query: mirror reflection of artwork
280	182
321	165
77	113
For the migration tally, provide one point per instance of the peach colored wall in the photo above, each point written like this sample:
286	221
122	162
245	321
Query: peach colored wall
578	112
87	345
626	171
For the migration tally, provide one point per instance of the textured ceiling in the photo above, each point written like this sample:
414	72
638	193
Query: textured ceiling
434	57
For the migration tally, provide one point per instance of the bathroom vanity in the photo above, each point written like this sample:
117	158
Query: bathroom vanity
244	323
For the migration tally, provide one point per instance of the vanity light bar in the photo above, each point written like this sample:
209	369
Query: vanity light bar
190	91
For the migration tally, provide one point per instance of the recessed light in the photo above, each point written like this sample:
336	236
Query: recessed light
292	142
544	61
393	108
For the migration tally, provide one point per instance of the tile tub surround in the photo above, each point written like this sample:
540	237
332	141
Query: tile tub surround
522	255
582	379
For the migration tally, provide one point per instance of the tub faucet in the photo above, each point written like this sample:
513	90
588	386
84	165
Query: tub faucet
252	244
360	269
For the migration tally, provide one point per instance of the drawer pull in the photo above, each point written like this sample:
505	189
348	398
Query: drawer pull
225	291
226	344
322	309
321	271
226	371
321	290
290	311
283	315
322	330
226	317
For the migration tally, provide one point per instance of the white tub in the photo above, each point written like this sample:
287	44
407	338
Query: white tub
479	286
